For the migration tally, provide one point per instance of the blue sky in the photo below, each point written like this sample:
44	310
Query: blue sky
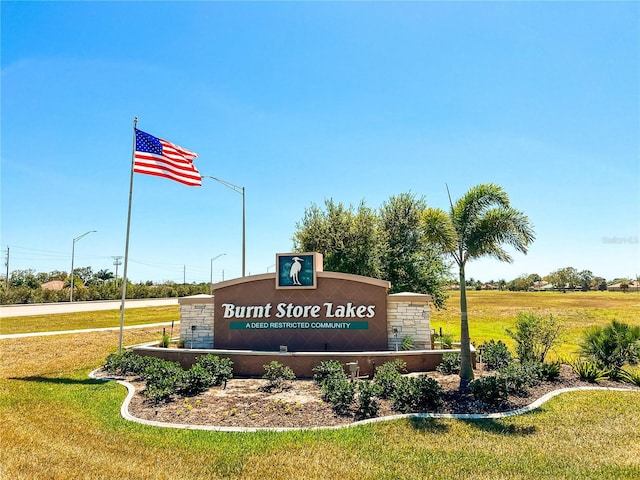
299	102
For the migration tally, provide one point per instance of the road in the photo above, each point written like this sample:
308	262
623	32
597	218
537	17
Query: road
66	307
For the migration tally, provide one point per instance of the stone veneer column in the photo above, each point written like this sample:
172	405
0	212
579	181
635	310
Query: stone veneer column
196	321
409	313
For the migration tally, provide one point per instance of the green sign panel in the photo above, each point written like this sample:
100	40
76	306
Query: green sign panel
317	325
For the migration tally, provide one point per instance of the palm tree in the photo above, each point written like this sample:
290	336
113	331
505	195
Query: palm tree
478	225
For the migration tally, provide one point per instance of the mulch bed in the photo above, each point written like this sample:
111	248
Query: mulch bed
246	403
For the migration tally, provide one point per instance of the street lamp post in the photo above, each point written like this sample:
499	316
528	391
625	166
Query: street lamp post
73	253
239	190
211	278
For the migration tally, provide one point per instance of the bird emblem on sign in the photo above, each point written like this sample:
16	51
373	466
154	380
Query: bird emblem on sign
294	273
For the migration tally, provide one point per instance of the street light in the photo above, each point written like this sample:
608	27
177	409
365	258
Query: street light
73	253
239	190
211	278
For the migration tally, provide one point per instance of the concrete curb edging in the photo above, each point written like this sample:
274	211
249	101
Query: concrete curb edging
124	412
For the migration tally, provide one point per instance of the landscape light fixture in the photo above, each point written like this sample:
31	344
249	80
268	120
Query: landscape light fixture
73	252
239	190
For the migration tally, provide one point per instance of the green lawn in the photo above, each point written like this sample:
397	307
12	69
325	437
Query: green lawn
57	423
81	320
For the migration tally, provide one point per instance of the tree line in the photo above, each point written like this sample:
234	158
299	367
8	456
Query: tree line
25	286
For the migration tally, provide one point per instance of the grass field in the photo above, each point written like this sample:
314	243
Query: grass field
58	423
81	320
492	312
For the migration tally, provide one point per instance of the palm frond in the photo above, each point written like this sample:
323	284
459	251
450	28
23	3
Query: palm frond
438	229
474	203
495	228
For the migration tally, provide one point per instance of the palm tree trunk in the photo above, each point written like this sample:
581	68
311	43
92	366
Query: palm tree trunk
466	368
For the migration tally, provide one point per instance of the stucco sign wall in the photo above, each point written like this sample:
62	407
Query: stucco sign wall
339	312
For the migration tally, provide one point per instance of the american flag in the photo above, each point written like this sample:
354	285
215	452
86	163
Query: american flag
155	156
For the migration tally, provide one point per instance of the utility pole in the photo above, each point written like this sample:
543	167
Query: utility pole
117	260
7	264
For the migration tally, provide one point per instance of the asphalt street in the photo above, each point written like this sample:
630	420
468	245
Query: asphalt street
67	307
50	308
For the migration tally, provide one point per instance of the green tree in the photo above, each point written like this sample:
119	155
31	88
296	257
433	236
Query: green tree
477	225
564	279
599	283
408	260
24	278
348	239
585	278
389	244
83	273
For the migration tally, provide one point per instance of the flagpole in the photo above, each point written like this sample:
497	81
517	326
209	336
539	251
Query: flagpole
126	247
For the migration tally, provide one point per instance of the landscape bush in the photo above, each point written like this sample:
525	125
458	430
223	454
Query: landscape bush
328	369
612	346
417	394
589	371
163	378
444	339
278	375
220	369
340	393
491	390
408	343
450	364
550	371
195	380
368	403
387	376
494	355
125	363
631	376
534	336
520	376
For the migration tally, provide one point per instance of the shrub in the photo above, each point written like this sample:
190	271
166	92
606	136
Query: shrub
417	394
220	369
125	363
450	364
491	390
408	343
328	369
128	363
166	340
495	355
519	376
340	392
368	403
277	375
534	336
163	379
612	346
549	371
589	371
387	375
445	340
631	376
195	380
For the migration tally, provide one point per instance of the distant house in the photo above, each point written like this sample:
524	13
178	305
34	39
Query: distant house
53	285
633	286
540	285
